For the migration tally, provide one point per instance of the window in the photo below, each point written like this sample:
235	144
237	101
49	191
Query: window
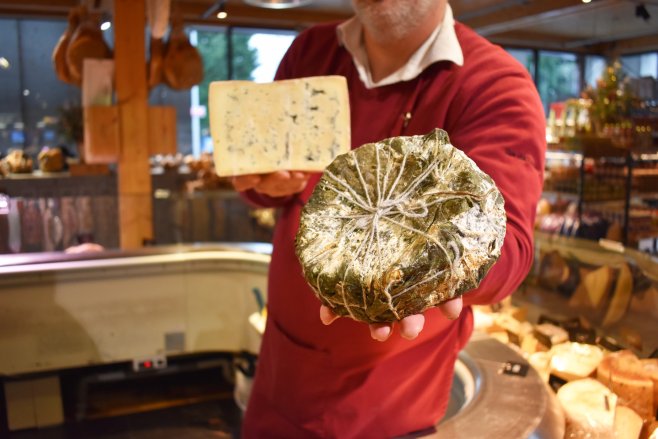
594	69
31	96
268	46
525	57
232	53
558	77
32	100
639	66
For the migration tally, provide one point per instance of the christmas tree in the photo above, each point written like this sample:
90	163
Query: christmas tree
611	99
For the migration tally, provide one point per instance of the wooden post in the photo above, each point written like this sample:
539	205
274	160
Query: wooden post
134	175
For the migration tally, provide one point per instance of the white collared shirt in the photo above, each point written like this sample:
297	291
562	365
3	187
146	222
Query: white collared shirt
442	45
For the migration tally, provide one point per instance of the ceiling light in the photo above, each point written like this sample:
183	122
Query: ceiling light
218	9
106	25
4	63
278	4
642	12
587	1
222	14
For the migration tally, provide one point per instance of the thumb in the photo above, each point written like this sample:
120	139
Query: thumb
327	316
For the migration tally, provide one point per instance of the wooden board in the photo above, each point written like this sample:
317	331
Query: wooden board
102	139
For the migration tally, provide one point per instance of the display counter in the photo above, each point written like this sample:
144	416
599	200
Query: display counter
61	311
609	289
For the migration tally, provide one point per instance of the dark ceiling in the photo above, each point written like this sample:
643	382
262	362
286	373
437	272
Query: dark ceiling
608	27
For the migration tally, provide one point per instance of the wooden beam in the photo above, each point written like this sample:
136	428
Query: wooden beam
37	8
628	46
633	42
243	15
527	14
530	41
134	174
192	11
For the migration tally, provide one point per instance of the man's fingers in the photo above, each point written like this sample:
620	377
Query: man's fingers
452	308
282	183
327	316
242	183
299	175
381	331
411	326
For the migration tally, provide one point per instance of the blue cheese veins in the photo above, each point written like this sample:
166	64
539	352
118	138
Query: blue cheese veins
297	124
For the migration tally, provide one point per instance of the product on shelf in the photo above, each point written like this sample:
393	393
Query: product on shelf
560	274
650	366
206	177
623	373
628	424
593	289
652	430
621	296
605	390
16	162
51	160
550	334
589	409
571	361
606	293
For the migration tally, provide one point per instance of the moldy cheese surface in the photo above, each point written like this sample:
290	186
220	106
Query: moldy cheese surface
296	124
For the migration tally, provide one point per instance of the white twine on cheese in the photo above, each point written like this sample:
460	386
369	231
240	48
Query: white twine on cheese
385	208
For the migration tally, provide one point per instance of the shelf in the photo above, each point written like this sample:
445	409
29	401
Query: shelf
540	301
36	174
589	146
596	147
639	194
574	197
215	194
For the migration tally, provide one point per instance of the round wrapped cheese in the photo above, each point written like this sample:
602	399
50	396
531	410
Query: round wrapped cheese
398	226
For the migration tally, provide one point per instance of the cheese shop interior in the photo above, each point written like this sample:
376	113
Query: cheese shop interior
106	168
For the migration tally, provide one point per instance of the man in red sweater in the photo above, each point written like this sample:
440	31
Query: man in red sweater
410	68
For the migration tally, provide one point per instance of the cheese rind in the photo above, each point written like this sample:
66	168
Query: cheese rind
628	424
621	297
296	124
650	366
625	375
589	409
572	361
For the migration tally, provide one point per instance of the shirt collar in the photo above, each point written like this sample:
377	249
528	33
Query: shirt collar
442	45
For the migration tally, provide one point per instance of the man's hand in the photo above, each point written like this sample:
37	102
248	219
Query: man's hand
410	326
274	184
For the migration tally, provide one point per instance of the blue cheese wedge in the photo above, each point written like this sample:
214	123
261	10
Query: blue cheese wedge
296	124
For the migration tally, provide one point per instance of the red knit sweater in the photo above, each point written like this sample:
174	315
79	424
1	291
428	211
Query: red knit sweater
335	381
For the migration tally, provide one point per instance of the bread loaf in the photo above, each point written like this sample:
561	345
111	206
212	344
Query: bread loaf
51	160
623	373
650	366
17	162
